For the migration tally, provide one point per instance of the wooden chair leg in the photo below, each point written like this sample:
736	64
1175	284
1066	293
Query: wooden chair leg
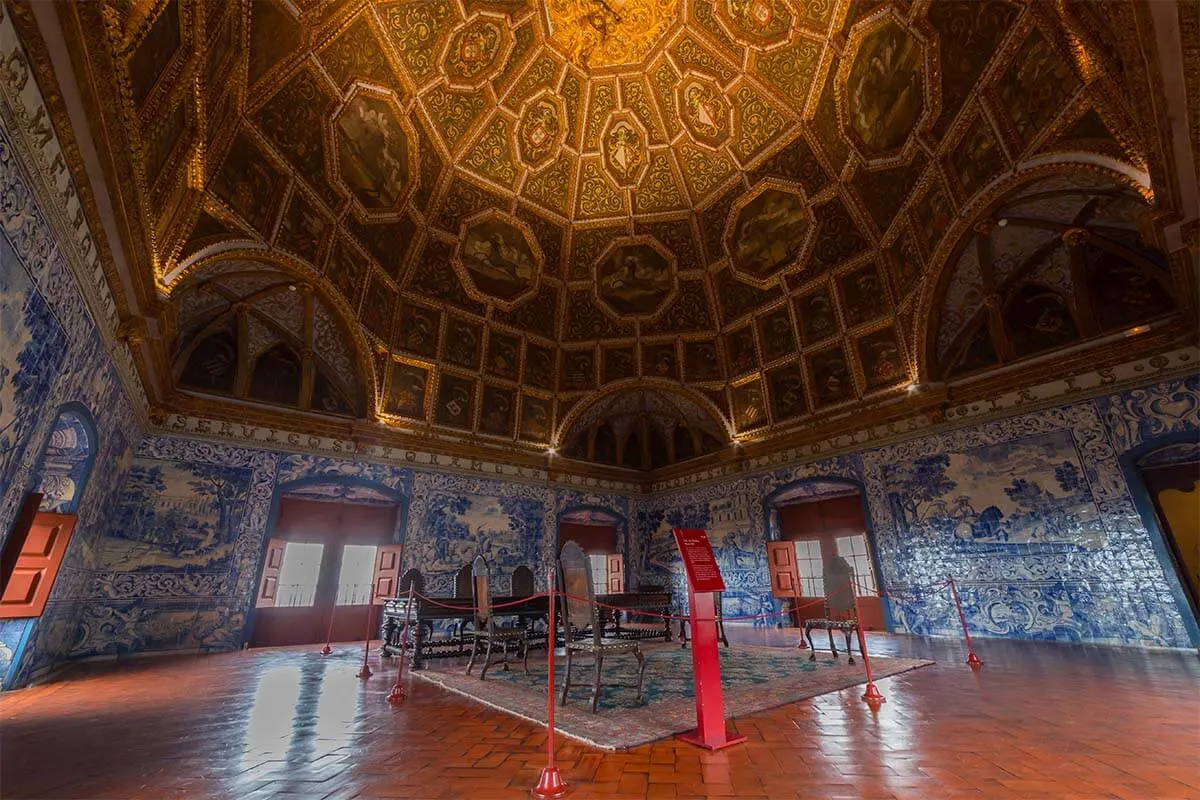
504	655
566	678
525	652
832	646
849	652
487	659
641	698
812	650
596	686
474	651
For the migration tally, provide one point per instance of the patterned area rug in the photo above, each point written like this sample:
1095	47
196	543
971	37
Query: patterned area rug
754	679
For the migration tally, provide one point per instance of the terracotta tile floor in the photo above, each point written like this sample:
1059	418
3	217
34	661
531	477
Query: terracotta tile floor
1040	720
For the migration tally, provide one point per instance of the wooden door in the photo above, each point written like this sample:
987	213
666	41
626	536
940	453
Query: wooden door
37	566
615	573
386	581
785	578
268	585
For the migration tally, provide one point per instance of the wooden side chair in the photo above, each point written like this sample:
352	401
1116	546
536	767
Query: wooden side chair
486	631
522	581
582	619
840	612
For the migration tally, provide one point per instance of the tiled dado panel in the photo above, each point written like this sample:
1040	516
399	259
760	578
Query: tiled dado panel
50	354
179	563
1032	516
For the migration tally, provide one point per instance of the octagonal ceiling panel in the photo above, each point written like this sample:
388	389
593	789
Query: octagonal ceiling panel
635	276
376	151
499	257
520	202
882	87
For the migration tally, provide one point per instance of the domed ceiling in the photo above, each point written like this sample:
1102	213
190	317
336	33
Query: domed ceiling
515	206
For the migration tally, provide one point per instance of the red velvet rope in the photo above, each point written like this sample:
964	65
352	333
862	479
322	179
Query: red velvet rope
686	618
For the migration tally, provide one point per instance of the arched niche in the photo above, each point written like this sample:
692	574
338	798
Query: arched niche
260	331
1060	259
643	428
67	459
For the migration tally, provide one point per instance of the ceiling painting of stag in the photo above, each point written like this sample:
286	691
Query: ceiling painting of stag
515	207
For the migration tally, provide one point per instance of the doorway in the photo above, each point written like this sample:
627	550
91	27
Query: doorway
1171	476
821	527
321	572
600	540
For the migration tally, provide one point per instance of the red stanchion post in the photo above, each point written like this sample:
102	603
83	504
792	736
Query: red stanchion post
327	649
396	695
795	612
973	660
365	672
872	696
550	784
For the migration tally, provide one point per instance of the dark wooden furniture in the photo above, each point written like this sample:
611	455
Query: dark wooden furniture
720	616
582	628
522	582
485	631
840	613
426	612
631	621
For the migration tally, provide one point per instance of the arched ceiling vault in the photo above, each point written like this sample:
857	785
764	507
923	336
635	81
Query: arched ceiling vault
516	206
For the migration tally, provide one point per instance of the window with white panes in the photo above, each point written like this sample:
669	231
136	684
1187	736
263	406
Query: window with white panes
854	550
354	578
298	574
811	567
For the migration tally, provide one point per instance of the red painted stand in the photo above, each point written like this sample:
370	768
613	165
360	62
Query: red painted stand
365	672
973	660
872	696
550	783
396	695
710	730
704	578
326	650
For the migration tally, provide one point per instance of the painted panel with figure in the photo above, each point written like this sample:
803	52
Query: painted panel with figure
634	278
769	232
32	349
1020	493
498	258
173	516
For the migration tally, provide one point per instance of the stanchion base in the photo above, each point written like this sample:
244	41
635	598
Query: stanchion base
396	696
719	742
326	650
550	785
365	672
872	696
974	661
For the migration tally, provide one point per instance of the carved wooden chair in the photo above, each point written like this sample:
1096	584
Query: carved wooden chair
840	612
463	590
486	631
582	619
522	581
412	578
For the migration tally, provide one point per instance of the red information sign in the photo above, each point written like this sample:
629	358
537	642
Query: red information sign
703	573
704	581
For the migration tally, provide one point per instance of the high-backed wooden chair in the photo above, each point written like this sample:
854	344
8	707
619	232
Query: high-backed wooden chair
412	578
840	611
522	581
463	586
486	630
582	620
